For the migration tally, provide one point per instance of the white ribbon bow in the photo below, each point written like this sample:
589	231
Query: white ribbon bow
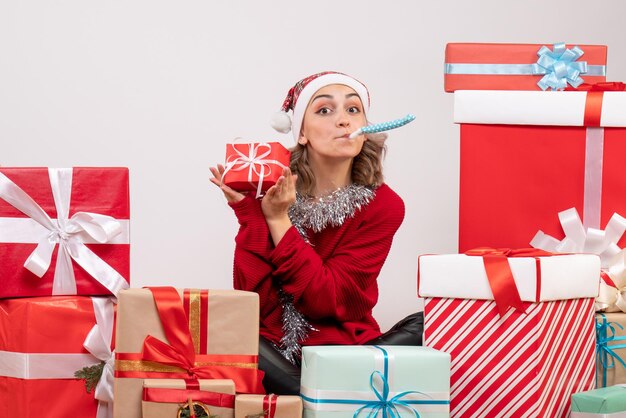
68	233
593	241
254	162
98	343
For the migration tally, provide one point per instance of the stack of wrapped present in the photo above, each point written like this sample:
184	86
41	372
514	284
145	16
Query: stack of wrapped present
185	349
64	245
64	241
542	135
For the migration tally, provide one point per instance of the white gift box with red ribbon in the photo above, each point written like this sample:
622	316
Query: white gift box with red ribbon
538	279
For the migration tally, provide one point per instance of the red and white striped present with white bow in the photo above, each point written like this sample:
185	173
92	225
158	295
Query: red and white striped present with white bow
524	352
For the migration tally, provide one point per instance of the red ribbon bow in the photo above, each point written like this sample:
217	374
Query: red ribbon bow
500	276
180	350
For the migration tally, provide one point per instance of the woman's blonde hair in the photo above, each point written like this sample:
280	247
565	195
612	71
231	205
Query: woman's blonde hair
367	166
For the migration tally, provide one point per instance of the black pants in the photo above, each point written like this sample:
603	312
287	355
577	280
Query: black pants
283	378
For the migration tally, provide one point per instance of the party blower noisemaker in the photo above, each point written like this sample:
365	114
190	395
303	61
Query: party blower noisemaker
384	126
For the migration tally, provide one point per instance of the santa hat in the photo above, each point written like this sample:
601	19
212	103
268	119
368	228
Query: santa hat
299	96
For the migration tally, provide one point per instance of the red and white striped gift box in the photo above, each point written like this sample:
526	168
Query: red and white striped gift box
519	364
523	365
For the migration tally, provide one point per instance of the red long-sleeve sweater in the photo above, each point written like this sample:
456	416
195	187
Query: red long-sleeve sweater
333	281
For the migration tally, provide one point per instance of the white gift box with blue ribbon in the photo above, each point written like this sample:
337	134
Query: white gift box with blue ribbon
375	381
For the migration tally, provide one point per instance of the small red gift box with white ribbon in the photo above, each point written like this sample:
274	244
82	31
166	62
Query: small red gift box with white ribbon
254	167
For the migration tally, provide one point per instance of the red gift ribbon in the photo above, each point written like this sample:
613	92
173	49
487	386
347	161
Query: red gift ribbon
269	405
607	279
500	276
220	400
593	102
180	355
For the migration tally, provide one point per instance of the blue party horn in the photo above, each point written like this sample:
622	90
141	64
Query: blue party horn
384	126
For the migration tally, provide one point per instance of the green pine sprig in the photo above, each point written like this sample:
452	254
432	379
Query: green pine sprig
200	412
91	375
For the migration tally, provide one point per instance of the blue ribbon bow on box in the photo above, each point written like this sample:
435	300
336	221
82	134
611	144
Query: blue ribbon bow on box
559	67
605	334
384	405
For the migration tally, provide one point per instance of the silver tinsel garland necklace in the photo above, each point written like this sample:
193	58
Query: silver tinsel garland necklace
315	214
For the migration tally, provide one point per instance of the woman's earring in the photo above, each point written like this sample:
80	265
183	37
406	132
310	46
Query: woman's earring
302	140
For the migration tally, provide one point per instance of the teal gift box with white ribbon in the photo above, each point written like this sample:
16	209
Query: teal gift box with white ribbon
371	381
609	402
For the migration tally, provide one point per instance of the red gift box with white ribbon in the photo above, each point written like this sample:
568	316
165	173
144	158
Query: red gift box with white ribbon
524	351
63	231
44	341
527	156
254	167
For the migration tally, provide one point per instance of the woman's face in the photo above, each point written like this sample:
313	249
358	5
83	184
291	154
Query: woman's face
334	112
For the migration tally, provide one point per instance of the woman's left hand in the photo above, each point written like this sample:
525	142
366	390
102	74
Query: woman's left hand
275	205
280	197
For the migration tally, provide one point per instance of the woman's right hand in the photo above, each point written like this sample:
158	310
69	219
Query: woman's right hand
231	195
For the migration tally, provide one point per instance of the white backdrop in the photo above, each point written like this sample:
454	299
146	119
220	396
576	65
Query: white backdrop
161	86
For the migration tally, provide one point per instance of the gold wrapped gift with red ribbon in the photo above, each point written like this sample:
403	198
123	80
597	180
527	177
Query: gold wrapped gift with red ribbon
171	398
192	334
268	406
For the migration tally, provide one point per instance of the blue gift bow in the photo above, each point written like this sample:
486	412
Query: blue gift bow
558	67
605	352
387	406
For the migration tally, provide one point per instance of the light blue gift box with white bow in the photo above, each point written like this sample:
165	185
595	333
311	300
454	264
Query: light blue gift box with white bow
375	381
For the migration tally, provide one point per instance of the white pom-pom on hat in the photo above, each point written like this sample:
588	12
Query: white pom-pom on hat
281	121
